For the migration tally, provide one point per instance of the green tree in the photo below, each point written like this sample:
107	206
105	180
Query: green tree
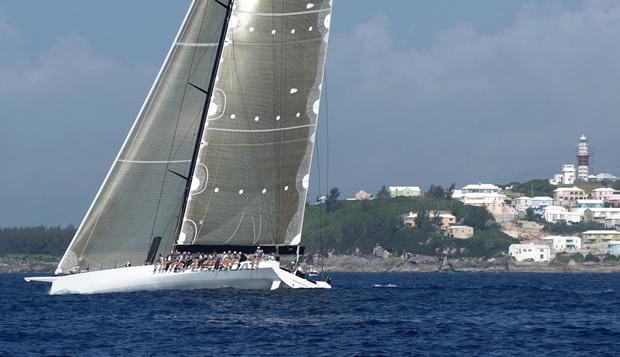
332	199
435	193
383	193
530	215
450	191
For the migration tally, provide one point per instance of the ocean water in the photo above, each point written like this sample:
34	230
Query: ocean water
387	314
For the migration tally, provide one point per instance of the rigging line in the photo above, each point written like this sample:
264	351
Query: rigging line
328	155
276	104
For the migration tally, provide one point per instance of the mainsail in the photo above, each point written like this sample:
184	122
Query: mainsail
250	175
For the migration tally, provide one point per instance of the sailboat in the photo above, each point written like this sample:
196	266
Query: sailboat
217	161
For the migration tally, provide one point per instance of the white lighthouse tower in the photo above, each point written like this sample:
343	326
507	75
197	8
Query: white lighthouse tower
583	159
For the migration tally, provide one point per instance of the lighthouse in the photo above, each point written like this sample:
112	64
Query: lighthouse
583	159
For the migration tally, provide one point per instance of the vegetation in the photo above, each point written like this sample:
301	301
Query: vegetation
358	226
44	243
532	188
562	229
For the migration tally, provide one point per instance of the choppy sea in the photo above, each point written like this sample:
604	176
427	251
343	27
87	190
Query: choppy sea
387	314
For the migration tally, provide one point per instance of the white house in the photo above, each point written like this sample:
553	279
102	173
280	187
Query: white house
567	177
562	244
484	195
537	252
601	214
541	201
405	191
555	214
522	203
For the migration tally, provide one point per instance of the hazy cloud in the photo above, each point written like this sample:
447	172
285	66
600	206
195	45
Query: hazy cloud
474	107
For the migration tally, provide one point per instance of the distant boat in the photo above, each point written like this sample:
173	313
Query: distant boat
312	273
217	162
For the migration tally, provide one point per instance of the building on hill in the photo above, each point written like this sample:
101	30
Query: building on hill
557	214
537	252
568	196
361	195
603	193
460	232
605	177
598	238
487	196
613	247
405	191
590	204
446	219
567	177
606	215
522	203
607	194
562	244
541	202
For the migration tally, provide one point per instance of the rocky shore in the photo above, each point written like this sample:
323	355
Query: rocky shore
426	264
408	263
12	265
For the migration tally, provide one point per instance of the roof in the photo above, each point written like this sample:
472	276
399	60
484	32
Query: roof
601	232
542	198
482	186
574	188
603	189
529	245
415	188
606	175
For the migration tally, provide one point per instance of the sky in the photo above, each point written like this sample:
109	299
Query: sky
417	93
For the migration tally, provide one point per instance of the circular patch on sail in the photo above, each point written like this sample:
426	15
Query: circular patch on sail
199	181
188	232
315	106
217	105
328	20
305	181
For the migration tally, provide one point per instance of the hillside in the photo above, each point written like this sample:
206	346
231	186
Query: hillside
357	227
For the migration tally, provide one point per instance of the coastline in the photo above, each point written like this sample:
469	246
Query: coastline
411	264
427	264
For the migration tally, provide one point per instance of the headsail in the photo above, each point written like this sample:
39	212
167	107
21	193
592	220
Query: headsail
142	195
251	177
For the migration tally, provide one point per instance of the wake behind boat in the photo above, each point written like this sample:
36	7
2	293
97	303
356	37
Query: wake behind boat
218	158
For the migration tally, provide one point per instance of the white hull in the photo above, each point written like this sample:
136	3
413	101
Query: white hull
267	276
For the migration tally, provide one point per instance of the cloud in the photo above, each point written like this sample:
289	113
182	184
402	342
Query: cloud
476	107
69	61
65	109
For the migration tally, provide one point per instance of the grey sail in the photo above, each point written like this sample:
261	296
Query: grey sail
251	177
142	195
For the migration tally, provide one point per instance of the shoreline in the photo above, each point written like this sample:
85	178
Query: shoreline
411	264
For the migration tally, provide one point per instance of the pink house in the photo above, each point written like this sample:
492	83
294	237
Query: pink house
607	194
363	196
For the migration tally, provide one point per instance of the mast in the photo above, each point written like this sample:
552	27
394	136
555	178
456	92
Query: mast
203	118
